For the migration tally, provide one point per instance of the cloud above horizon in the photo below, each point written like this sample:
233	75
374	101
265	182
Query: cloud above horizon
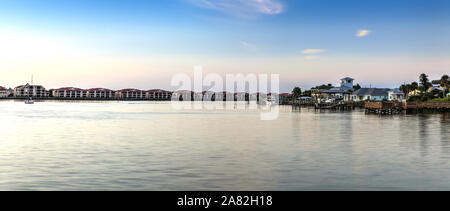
242	8
363	33
248	46
313	51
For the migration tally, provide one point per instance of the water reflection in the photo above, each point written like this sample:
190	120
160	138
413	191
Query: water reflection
146	146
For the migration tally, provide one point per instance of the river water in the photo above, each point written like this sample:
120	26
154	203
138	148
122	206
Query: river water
152	146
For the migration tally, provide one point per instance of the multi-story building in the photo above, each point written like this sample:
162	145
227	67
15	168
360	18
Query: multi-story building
158	94
69	92
4	93
241	96
100	93
128	94
183	95
28	90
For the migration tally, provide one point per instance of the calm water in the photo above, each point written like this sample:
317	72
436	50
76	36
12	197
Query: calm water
145	146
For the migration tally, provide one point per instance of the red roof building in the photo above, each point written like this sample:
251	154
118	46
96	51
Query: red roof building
28	90
131	94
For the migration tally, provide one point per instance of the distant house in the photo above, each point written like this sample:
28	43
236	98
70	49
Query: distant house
437	83
158	94
396	95
342	91
224	96
4	93
69	92
28	90
285	98
183	95
241	96
100	93
131	94
436	86
372	94
208	96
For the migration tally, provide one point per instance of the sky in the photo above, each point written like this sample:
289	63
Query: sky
143	44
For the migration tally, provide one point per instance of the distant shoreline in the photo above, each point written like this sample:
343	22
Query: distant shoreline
77	99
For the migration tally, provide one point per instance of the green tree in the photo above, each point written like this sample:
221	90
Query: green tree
425	82
406	88
307	93
297	92
414	87
445	83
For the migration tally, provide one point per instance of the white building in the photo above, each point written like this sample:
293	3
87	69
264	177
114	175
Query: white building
396	95
28	90
342	91
378	94
4	93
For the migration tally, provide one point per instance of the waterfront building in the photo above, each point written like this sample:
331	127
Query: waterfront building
285	98
100	93
69	92
342	91
224	96
258	96
129	94
158	94
183	95
241	96
208	96
198	96
372	94
396	95
28	90
4	93
437	83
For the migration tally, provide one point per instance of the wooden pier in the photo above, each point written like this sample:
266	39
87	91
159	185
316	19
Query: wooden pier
384	107
341	106
397	107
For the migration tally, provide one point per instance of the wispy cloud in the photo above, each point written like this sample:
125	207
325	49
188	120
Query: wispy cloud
363	33
313	51
313	54
242	7
248	46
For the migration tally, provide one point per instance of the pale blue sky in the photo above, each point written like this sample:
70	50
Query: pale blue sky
144	42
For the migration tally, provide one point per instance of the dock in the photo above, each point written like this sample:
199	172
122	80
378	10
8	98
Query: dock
408	107
341	106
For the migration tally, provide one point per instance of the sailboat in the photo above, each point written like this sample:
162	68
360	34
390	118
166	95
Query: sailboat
30	101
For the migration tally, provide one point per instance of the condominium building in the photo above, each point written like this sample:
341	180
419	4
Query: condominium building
4	92
28	90
158	94
183	95
131	94
101	93
69	92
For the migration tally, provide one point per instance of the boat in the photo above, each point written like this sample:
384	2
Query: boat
29	101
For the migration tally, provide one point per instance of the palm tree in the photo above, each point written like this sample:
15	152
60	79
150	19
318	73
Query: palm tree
424	81
406	88
297	92
445	83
